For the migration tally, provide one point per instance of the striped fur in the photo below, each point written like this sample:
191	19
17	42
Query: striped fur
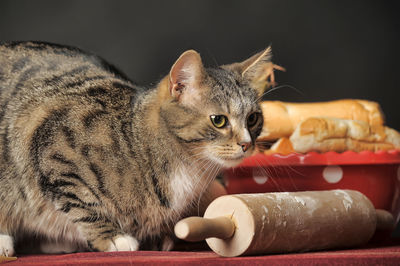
93	160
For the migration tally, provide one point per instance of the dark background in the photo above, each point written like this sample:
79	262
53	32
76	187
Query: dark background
331	49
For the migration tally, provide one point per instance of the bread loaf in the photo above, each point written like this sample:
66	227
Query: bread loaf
281	118
325	134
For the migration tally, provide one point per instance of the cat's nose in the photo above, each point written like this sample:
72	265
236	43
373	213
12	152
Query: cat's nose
245	145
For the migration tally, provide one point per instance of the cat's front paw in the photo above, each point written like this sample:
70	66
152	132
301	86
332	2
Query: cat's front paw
124	243
6	245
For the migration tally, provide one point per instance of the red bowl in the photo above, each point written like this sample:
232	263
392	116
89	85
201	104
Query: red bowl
377	175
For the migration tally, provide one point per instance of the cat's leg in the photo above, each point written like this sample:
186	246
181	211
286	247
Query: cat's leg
167	244
104	235
6	245
78	192
82	222
119	242
87	231
73	222
58	247
158	243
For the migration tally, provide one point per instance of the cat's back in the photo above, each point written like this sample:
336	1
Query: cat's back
38	73
39	66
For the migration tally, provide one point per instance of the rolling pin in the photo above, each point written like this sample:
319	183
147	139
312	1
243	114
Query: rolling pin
249	224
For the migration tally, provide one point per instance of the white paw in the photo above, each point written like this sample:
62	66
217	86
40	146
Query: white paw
57	247
6	245
124	243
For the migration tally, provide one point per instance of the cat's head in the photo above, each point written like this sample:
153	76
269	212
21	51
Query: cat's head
214	112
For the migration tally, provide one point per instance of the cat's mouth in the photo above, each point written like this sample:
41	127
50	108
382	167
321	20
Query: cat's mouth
233	158
231	161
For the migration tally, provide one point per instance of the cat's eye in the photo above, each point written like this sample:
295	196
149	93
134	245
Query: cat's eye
219	121
252	119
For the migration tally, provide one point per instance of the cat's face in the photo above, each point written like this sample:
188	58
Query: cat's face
231	115
214	112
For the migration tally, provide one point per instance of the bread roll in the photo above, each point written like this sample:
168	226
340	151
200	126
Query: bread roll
281	118
282	146
325	134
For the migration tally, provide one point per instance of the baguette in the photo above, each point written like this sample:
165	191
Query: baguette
281	118
323	134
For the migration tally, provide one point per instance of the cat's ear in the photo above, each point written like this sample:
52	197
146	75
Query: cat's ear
256	69
185	76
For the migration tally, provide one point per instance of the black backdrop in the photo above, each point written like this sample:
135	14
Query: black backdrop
331	49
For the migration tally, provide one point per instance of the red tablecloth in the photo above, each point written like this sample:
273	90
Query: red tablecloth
388	254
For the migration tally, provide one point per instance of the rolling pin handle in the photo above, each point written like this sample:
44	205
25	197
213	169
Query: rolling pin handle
195	229
384	220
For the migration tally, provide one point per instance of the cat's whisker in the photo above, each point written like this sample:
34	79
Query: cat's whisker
193	158
210	178
197	175
214	59
209	165
278	88
200	181
284	86
197	156
288	169
203	187
268	175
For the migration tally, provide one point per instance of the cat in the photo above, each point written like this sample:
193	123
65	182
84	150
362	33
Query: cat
90	161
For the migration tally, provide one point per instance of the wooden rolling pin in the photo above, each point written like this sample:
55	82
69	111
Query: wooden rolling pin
246	224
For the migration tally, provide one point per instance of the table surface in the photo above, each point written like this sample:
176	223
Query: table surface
375	254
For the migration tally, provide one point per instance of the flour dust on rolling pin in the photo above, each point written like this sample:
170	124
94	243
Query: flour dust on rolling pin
246	224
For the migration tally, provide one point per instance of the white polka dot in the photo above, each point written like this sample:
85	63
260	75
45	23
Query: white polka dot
398	173
333	174
260	175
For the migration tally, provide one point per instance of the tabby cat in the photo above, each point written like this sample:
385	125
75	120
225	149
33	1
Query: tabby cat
90	161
